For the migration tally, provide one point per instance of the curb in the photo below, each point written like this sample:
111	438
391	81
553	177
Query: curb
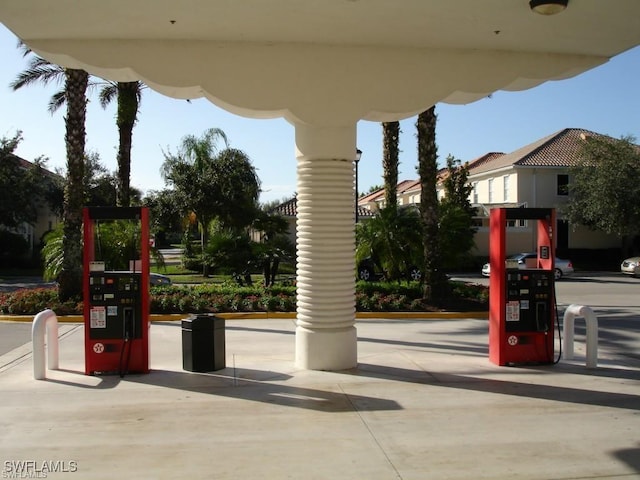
271	315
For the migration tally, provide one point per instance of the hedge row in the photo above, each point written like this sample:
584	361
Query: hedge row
207	298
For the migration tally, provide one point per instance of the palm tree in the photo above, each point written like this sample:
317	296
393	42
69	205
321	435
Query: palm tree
70	280
74	94
434	279
390	162
220	185
128	98
128	95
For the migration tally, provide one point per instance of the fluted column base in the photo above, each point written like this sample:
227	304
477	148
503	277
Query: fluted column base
326	336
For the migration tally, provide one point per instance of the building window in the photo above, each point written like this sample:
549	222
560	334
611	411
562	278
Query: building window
475	192
563	184
519	223
491	190
506	188
522	222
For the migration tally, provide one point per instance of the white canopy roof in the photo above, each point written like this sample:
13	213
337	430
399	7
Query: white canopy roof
314	61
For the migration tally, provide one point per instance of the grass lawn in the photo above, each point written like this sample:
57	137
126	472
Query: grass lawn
180	275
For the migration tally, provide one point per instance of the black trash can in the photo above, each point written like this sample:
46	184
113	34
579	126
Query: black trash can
203	343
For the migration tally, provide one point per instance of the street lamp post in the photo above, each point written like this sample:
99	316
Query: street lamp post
357	160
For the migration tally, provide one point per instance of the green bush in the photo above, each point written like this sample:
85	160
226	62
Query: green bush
212	298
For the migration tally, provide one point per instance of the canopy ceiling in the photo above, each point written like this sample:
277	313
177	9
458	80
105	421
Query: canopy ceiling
314	61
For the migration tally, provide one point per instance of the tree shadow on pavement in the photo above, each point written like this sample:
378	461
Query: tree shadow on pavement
256	386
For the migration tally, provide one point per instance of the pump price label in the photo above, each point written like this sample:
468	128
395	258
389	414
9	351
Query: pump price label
98	317
513	311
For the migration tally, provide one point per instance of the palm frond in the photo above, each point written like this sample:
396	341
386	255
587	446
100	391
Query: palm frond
107	93
44	74
57	100
24	49
52	254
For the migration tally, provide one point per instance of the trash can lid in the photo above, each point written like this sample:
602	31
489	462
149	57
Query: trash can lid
202	321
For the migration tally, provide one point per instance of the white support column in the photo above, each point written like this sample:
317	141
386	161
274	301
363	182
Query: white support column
326	336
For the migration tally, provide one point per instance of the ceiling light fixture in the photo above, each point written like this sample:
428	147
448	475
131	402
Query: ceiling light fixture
548	7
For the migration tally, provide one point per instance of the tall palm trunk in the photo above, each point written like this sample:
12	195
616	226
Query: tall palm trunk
390	161
128	93
70	280
434	280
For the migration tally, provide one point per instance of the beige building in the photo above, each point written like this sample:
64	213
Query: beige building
534	176
46	219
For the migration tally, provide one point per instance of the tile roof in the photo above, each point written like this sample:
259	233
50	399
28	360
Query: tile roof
26	164
286	209
364	212
290	209
409	186
404	186
372	197
484	159
560	149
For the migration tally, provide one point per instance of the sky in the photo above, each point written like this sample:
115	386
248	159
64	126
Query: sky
605	100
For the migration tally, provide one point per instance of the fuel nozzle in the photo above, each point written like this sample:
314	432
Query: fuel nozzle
128	323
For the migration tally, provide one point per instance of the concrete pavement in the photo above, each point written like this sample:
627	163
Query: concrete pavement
424	403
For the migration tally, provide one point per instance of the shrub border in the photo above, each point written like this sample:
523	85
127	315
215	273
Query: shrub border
174	317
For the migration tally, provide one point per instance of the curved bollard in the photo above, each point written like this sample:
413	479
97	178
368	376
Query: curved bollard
591	320
44	321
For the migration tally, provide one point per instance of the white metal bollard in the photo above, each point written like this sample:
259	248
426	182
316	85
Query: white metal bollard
44	321
591	320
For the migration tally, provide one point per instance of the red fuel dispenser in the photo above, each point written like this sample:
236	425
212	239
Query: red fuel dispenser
522	310
116	300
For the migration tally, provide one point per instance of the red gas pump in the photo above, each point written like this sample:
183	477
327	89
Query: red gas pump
116	299
522	310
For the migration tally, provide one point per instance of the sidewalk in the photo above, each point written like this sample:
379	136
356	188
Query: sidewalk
424	403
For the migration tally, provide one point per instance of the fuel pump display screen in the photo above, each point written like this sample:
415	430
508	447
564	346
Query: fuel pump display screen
529	300
114	311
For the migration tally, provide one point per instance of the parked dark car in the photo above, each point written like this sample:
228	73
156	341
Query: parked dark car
369	271
158	279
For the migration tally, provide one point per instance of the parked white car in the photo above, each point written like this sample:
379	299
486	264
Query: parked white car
631	266
562	267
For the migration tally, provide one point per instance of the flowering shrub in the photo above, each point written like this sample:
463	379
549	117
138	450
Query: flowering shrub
32	301
208	298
